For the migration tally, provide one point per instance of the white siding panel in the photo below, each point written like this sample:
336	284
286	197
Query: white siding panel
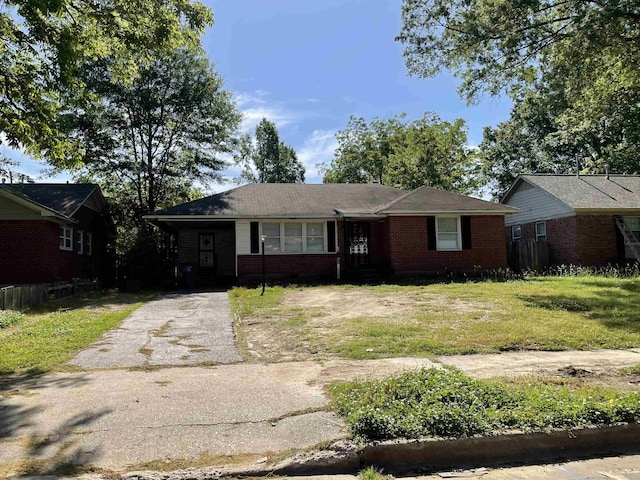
535	205
243	237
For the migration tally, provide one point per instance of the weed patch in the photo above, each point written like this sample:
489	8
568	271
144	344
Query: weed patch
10	317
446	403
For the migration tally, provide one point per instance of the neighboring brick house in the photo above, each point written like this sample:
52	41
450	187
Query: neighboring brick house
308	230
54	232
576	215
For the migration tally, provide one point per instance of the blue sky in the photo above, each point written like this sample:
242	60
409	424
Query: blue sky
308	65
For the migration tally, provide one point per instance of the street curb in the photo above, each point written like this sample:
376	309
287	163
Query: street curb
434	454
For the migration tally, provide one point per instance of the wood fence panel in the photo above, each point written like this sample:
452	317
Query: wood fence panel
528	255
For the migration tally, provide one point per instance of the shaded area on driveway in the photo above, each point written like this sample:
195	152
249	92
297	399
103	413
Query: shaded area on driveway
175	329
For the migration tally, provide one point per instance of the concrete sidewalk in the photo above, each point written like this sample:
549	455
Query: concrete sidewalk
122	419
133	419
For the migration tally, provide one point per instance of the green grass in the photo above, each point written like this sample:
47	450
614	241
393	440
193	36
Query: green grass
10	317
52	334
446	403
540	313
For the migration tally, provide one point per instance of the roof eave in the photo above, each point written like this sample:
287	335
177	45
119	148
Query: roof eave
608	210
43	210
455	212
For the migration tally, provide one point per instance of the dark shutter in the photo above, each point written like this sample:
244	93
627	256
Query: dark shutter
466	232
331	236
431	233
255	237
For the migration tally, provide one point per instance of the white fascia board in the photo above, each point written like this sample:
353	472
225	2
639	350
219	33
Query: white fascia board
452	212
191	218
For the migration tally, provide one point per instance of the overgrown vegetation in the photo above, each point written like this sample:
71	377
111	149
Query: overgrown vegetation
536	313
10	317
52	334
446	403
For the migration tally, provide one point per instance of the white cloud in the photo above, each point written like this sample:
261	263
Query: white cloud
256	105
318	147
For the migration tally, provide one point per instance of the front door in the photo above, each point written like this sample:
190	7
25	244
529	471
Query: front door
206	256
358	244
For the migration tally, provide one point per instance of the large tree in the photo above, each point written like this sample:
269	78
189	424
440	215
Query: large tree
404	154
580	59
270	160
43	43
148	141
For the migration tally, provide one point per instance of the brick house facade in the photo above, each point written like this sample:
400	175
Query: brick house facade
51	233
334	230
575	216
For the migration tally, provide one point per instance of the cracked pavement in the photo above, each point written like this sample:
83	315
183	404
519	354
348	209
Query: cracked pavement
174	329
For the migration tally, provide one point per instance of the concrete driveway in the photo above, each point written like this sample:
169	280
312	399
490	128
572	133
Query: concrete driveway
172	330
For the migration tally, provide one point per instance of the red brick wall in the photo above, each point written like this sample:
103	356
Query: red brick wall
596	236
561	235
409	252
303	265
29	252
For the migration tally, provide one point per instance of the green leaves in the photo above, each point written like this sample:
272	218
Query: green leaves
273	160
446	403
405	154
44	44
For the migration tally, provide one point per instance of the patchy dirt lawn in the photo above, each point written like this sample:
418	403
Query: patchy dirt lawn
520	338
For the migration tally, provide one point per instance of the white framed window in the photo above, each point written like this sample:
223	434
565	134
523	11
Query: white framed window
89	243
294	237
315	234
66	239
271	231
541	231
516	232
80	241
448	233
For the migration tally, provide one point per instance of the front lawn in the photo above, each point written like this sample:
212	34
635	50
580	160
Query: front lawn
542	313
446	403
45	337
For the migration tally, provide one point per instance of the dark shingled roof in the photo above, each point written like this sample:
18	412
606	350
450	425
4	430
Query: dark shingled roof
432	200
327	200
591	191
64	198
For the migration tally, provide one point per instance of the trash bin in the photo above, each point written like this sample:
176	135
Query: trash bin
189	272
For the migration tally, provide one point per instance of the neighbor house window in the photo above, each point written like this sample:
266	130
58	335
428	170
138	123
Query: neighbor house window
80	240
541	231
516	232
448	233
89	243
271	231
294	237
66	239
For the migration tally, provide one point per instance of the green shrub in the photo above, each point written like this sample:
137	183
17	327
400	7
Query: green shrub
10	317
446	403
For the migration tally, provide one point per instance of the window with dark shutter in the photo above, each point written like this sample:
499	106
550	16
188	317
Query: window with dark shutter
431	233
465	222
331	236
255	237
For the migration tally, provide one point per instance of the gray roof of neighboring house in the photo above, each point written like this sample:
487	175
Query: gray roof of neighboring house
587	191
63	198
327	200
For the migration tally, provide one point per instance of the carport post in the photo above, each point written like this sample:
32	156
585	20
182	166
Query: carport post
263	238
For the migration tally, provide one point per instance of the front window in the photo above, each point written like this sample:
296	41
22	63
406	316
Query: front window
271	231
315	237
516	233
448	233
294	237
541	231
66	239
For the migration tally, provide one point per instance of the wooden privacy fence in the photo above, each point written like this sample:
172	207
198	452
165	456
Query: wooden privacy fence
528	254
15	297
